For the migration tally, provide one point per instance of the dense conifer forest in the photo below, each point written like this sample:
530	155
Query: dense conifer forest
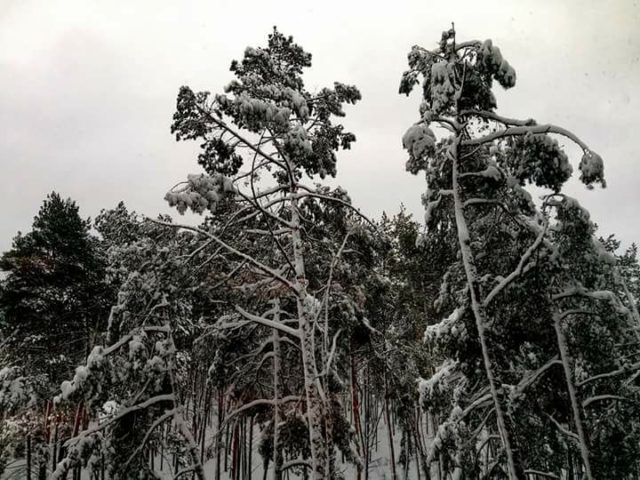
285	334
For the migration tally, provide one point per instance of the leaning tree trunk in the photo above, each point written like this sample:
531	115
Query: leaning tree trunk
476	304
575	406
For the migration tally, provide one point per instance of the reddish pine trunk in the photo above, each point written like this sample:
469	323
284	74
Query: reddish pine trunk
355	409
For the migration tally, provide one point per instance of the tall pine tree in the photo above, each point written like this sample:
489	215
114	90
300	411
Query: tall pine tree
53	299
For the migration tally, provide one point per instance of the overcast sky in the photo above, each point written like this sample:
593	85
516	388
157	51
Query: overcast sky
87	90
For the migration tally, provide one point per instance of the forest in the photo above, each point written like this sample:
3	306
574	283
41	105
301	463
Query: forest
284	334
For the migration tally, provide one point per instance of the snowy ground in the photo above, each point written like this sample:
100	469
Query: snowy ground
379	467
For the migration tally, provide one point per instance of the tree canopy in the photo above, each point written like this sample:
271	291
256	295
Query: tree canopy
285	334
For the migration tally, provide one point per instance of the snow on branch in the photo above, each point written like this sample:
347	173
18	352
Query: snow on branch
122	413
312	193
268	322
159	421
603	295
519	269
498	118
533	376
255	403
600	398
523	130
263	208
221	124
613	373
563	430
232	250
184	471
295	463
541	474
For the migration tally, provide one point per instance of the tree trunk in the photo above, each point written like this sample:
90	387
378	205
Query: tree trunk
575	406
250	449
477	307
54	449
355	409
392	460
434	470
234	453
277	457
28	464
306	306
217	440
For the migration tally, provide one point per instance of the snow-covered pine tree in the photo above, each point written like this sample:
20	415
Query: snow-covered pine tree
524	387
134	387
16	395
54	282
270	125
53	302
414	269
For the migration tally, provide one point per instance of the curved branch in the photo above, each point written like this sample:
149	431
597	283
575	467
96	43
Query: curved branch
312	193
519	269
121	414
229	248
268	323
523	130
243	140
599	398
498	118
295	463
614	373
159	421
